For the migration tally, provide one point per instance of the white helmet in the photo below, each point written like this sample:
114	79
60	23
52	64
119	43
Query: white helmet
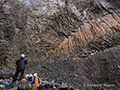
35	74
27	75
31	75
22	55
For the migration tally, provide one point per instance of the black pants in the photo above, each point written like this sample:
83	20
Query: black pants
16	75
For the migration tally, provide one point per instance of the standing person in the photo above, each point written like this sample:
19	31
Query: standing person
20	67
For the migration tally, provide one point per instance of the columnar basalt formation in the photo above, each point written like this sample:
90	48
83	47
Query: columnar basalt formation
106	26
56	29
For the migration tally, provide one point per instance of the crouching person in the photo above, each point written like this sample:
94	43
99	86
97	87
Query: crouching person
25	78
31	79
37	80
9	81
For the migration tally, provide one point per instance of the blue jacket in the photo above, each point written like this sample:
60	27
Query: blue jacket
21	63
30	80
8	83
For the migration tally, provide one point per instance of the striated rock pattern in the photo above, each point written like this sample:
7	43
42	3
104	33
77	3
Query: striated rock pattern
59	37
56	29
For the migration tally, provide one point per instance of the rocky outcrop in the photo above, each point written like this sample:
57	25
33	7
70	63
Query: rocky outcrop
56	29
49	30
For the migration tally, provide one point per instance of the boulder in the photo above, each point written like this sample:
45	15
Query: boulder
24	85
64	86
46	86
2	81
5	73
34	87
117	89
15	88
71	88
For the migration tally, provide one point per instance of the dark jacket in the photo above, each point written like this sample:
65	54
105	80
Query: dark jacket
21	63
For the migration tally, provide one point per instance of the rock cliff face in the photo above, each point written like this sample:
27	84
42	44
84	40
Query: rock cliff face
56	29
55	34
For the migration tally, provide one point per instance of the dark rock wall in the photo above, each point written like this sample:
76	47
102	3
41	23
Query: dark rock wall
56	29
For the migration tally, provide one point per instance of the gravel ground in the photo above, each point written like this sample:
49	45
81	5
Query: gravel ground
100	69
